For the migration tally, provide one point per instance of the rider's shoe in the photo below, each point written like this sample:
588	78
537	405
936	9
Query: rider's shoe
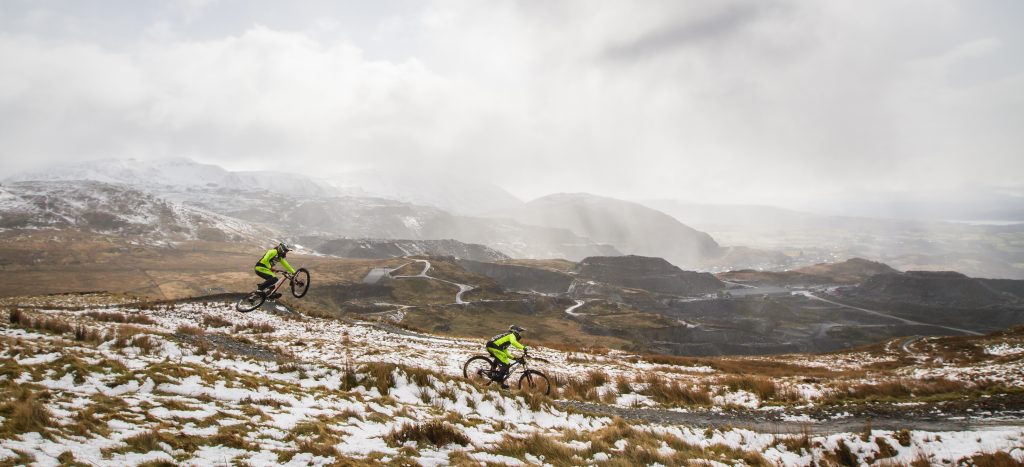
274	296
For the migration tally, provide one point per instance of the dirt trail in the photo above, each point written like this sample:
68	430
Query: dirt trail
463	288
999	410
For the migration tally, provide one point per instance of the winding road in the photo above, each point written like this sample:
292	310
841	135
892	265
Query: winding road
569	311
885	315
463	288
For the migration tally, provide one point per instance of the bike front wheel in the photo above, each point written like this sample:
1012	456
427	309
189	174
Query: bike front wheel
300	283
250	302
535	382
478	370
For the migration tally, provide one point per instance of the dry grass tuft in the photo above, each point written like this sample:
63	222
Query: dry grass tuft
544	447
257	328
91	335
996	459
901	388
16	316
672	392
124	318
26	414
57	326
190	330
435	432
763	387
380	376
125	335
214	321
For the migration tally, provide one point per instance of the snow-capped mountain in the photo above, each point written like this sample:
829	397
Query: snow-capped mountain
180	175
297	205
112	209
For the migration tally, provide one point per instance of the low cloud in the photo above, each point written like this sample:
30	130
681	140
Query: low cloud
718	101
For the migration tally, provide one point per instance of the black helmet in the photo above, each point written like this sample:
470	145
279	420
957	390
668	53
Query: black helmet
516	329
283	248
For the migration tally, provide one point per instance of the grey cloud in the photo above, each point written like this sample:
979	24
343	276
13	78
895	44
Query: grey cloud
686	32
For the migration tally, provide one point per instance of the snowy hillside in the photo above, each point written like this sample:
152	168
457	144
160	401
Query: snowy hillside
113	209
94	379
371	204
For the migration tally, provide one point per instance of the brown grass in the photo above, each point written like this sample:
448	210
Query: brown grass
150	441
124	318
672	392
125	335
583	388
91	335
435	432
261	327
763	387
214	321
189	329
57	326
26	414
380	376
750	366
900	388
538	445
996	459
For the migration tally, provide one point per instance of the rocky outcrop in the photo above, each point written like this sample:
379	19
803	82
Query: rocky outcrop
946	289
851	271
520	278
647	273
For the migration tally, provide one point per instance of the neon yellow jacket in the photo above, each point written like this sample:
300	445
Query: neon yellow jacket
272	258
503	340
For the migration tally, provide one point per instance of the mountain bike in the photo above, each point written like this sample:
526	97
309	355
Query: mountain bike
483	370
299	286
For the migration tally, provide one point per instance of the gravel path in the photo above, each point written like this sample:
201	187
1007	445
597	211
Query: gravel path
999	410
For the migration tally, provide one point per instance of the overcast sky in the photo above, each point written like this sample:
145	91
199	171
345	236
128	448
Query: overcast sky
729	101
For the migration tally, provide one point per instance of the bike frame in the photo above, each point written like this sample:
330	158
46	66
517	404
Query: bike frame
519	362
284	278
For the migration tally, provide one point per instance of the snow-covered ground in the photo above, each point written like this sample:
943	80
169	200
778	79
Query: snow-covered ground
336	390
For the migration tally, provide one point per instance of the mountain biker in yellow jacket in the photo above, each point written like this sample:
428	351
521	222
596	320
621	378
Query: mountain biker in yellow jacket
265	266
498	345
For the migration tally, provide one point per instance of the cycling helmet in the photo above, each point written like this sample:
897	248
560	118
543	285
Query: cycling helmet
283	248
516	329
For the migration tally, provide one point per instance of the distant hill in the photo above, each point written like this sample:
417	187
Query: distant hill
651	274
295	205
98	207
630	227
930	288
850	272
994	251
521	278
381	248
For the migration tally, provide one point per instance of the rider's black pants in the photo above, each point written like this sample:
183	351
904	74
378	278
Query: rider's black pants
271	280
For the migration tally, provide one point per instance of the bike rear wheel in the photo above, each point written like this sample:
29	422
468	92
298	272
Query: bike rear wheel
300	283
535	382
250	302
478	370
